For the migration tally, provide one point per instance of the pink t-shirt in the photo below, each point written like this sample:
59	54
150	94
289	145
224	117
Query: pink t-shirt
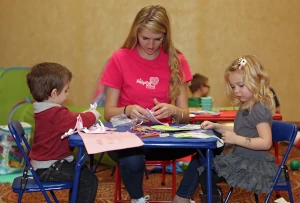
140	80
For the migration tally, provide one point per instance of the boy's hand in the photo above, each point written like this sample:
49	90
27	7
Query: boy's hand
206	125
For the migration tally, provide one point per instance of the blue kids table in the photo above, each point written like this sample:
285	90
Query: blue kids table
152	142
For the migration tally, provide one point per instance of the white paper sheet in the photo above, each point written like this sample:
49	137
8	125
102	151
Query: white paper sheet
153	119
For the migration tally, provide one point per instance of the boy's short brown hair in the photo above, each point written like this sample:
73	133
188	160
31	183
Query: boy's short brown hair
42	78
197	81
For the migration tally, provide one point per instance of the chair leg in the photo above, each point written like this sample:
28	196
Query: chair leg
163	175
98	162
228	195
46	196
20	197
146	172
256	198
276	147
54	197
91	162
113	171
290	191
173	178
117	193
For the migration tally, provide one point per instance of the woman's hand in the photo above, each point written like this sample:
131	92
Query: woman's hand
229	137
206	125
137	112
163	110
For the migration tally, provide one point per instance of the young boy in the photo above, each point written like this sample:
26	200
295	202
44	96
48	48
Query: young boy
50	155
199	88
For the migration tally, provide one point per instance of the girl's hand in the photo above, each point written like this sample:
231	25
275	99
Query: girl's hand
163	110
206	125
137	112
229	137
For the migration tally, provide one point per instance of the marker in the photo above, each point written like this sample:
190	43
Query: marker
150	135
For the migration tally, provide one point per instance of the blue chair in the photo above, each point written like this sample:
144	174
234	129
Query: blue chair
31	183
281	131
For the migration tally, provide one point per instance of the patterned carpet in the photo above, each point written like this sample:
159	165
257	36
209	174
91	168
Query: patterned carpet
106	188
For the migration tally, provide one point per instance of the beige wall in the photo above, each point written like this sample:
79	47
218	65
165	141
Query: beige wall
210	33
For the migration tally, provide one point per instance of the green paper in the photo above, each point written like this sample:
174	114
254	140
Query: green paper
166	128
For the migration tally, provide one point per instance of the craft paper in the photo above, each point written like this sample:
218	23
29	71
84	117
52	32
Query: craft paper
153	119
174	128
97	128
205	112
281	200
97	143
191	127
166	128
79	124
199	135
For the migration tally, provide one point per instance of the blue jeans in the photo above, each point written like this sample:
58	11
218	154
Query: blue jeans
132	168
65	171
132	165
190	180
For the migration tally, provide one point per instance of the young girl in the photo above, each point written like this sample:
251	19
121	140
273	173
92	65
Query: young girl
248	165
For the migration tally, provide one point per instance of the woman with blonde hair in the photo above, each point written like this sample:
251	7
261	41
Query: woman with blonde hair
147	72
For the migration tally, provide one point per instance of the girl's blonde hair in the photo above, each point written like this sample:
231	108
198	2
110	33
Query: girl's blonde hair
255	79
156	19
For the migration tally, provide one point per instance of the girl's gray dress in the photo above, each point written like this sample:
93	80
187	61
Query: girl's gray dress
246	168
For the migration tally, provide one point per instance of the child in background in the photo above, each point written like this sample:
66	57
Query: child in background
277	104
248	165
50	155
199	88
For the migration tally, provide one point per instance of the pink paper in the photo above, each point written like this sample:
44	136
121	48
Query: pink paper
97	143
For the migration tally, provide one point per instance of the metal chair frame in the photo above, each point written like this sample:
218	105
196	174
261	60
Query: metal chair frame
281	131
31	183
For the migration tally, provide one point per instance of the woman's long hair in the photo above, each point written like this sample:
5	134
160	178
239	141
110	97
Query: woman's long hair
156	20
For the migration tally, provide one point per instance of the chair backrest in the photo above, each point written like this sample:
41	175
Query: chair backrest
18	133
283	131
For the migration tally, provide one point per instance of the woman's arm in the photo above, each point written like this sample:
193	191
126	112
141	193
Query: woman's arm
179	111
111	101
132	111
181	105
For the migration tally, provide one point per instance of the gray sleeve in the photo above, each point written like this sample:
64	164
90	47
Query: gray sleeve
260	114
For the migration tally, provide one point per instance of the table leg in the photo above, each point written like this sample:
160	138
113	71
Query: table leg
209	175
77	175
91	162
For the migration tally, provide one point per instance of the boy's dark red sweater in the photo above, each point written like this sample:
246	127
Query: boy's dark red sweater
50	125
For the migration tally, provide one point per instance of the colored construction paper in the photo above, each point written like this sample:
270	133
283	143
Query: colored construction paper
97	143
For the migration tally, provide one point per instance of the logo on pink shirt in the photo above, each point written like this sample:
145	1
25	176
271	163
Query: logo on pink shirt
149	84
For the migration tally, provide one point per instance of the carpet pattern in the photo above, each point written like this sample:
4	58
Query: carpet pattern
106	187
